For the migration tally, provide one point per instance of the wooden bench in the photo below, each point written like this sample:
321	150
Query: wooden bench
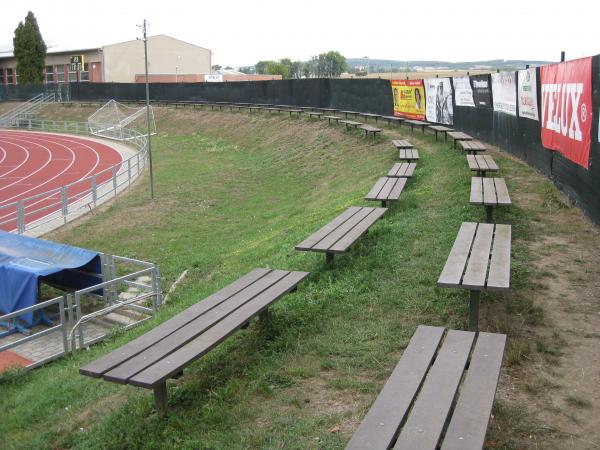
330	118
417	123
391	119
402	169
445	381
350	123
328	110
370	129
459	136
339	234
312	114
386	189
482	164
296	111
489	192
373	116
162	353
274	109
441	129
401	144
479	260
472	147
408	154
349	113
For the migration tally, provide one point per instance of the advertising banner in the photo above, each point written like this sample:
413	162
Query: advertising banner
567	109
438	92
528	94
409	99
214	78
482	91
504	92
463	93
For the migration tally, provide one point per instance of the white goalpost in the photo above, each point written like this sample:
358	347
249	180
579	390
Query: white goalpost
113	120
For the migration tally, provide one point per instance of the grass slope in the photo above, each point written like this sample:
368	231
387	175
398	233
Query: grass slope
238	191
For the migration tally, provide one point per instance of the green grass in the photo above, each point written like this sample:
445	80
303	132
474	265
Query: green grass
234	192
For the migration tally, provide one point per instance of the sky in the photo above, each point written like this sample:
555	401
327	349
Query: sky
240	33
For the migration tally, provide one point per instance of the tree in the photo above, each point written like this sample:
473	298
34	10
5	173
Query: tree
29	51
277	68
261	67
216	67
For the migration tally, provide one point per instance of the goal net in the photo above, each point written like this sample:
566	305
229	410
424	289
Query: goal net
116	121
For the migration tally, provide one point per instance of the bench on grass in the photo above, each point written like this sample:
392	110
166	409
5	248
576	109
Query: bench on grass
295	111
370	129
343	231
316	114
391	119
402	169
479	260
458	136
371	115
328	110
417	123
408	154
350	123
440	395
489	192
386	189
441	129
472	147
482	164
401	143
349	113
330	118
163	352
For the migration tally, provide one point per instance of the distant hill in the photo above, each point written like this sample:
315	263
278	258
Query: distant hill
383	65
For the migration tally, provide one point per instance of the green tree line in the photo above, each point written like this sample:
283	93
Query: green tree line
326	65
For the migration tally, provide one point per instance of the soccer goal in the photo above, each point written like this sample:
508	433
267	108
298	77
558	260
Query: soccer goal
116	121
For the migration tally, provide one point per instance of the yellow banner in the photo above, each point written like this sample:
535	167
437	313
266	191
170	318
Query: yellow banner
409	99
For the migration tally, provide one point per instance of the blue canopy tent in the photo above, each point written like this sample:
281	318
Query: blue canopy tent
25	262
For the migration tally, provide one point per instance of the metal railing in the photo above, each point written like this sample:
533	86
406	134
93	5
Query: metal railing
75	199
27	110
69	309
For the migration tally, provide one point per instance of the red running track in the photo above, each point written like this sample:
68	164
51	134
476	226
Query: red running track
33	163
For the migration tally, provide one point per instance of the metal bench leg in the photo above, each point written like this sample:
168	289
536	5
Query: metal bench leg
264	315
474	311
160	398
489	213
383	203
328	257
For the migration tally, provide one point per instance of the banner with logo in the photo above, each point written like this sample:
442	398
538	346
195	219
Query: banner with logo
463	93
438	92
528	94
482	91
567	109
504	92
409	99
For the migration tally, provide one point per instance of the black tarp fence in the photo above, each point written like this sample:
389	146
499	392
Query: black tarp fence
516	135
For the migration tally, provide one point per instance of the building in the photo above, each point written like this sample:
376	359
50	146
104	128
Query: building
170	59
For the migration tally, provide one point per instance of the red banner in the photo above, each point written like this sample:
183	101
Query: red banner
567	109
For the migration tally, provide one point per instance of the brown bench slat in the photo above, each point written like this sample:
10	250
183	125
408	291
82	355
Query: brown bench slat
401	143
410	154
459	135
329	241
102	365
361	228
476	191
402	169
490	162
164	347
499	276
489	192
386	188
431	409
468	426
476	270
501	191
173	363
376	189
380	426
320	234
451	275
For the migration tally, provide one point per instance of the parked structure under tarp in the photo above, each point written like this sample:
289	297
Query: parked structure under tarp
25	261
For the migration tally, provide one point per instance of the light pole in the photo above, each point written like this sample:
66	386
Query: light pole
177	68
143	27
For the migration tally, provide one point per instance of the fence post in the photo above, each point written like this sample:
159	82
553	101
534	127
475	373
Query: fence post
94	190
63	323
64	203
20	217
129	171
114	180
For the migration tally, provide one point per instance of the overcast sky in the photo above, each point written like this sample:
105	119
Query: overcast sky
243	32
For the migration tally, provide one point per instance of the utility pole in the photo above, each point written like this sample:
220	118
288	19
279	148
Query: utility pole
143	27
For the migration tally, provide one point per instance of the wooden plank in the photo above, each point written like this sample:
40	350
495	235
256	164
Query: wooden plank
329	241
409	154
476	271
401	143
398	187
476	191
492	166
380	426
481	162
472	165
374	192
468	426
361	228
402	169
114	358
489	192
430	411
501	191
314	238
384	194
499	276
451	275
179	338
176	361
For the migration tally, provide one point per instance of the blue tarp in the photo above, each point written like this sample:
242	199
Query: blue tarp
24	260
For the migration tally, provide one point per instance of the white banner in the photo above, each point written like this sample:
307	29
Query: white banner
438	94
214	78
463	93
528	94
504	92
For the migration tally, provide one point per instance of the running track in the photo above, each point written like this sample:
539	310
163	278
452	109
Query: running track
32	163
